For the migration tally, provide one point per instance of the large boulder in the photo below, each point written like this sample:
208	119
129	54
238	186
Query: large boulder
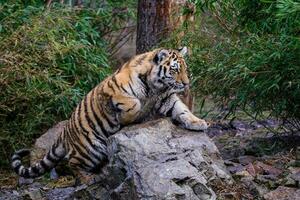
157	160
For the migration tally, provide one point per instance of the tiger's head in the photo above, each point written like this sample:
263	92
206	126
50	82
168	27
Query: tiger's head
170	70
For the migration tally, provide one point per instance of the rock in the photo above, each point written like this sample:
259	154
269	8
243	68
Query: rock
245	160
270	181
293	179
24	181
255	189
158	160
296	177
230	195
251	169
61	182
215	130
96	191
230	163
10	195
235	169
289	181
243	173
241	126
295	173
33	194
60	193
297	161
267	169
283	193
154	160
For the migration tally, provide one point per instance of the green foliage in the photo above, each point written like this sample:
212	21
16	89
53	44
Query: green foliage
49	59
246	54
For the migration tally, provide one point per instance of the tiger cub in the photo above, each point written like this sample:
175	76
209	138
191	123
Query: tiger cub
144	86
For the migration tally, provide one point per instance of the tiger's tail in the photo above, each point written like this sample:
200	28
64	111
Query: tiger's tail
56	153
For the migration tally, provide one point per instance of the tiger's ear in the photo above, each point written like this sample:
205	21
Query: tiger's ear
183	50
160	55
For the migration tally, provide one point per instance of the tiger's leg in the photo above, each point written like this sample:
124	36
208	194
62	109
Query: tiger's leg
86	168
87	178
174	107
82	175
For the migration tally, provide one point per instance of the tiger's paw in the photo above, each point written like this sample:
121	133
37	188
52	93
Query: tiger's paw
196	125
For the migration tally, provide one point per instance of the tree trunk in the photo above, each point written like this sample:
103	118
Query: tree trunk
153	23
78	3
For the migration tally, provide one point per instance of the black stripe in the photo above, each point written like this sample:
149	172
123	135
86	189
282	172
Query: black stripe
132	90
53	151
91	123
79	117
101	164
117	104
113	78
98	120
164	100
82	164
77	140
129	109
124	89
83	154
70	127
110	123
169	113
35	170
140	60
143	79
111	87
88	139
52	159
130	78
101	139
23	152
86	136
16	168
87	117
44	165
15	157
160	81
165	71
160	68
26	173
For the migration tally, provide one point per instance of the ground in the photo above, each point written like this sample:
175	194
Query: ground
263	165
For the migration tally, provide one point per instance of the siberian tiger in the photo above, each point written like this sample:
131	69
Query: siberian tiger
144	86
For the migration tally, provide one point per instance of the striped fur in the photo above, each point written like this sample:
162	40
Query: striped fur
143	87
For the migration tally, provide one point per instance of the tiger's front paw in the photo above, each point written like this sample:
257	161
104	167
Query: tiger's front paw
196	124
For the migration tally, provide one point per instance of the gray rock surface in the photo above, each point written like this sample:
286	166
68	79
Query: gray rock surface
158	160
283	193
151	161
